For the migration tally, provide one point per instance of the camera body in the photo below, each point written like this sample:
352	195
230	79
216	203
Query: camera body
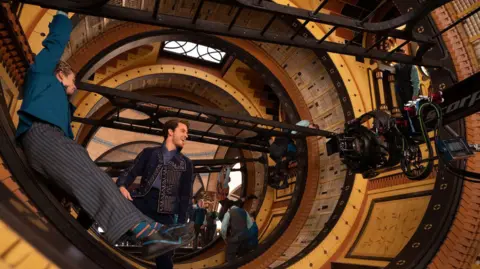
390	141
365	150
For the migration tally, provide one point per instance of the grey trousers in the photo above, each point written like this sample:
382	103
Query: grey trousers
68	164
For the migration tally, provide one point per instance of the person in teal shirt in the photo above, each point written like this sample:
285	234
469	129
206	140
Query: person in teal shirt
49	82
45	133
199	222
253	233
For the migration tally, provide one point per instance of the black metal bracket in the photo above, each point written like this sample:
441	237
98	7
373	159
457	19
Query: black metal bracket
273	11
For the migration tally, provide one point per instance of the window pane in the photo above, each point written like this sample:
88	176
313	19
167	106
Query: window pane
194	50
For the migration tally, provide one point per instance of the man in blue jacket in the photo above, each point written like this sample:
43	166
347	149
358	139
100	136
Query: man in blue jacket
166	181
45	133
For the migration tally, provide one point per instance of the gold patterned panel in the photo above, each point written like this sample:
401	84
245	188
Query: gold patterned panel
391	222
285	194
277	215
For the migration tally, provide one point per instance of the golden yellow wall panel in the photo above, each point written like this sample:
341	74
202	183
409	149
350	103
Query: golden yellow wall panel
396	214
390	224
273	222
246	80
329	246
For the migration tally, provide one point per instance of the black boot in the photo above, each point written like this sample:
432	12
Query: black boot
168	238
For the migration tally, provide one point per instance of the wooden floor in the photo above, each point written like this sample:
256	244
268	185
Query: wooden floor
16	252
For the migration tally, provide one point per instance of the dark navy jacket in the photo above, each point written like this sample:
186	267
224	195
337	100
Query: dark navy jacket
45	98
176	180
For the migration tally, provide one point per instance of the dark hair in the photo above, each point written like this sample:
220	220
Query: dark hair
172	125
63	67
226	203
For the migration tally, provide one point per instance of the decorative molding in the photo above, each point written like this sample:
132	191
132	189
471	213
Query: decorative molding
15	51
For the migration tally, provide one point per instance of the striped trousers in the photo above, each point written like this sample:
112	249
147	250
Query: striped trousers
68	164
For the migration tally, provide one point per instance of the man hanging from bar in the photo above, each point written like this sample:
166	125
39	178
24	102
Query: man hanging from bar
167	180
283	152
46	135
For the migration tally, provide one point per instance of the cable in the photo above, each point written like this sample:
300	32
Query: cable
429	167
456	171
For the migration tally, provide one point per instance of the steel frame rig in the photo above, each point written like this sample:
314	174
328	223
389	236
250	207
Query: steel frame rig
157	108
274	11
461	100
234	124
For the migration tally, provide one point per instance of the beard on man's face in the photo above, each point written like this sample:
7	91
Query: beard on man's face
178	144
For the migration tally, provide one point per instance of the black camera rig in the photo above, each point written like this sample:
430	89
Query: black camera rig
391	141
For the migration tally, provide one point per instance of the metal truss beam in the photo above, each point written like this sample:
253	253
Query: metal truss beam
159	132
196	163
210	162
200	166
161	107
203	170
386	28
156	128
196	170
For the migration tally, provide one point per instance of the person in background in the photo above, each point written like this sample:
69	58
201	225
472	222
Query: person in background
166	184
283	152
253	232
199	222
45	134
191	209
235	229
211	226
407	82
223	180
238	203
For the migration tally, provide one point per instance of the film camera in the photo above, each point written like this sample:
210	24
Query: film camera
390	141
